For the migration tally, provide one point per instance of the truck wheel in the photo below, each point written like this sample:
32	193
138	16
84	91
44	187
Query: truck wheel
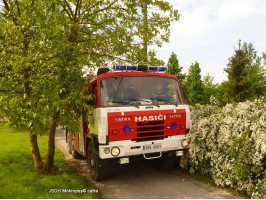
166	163
75	154
99	168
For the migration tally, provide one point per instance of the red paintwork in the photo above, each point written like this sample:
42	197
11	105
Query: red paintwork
122	135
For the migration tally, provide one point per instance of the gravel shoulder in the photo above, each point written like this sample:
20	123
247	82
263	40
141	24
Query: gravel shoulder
140	180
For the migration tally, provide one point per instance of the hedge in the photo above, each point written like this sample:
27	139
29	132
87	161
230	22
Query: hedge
229	143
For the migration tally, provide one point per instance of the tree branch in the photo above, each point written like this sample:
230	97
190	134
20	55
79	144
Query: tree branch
67	12
76	10
6	5
106	8
71	15
18	8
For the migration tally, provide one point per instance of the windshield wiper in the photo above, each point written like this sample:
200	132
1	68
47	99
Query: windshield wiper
157	99
144	101
122	102
140	100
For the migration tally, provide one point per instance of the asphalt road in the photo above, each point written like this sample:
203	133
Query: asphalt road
140	180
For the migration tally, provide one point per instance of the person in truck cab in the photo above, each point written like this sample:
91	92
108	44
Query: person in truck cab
161	94
110	94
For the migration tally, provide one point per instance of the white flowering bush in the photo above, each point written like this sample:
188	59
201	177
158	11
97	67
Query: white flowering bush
229	143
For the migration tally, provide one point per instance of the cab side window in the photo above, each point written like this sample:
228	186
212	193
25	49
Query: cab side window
93	92
95	98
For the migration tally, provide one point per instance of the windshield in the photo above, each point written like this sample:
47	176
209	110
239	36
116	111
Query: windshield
138	90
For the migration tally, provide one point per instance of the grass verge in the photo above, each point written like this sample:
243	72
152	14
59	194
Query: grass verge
18	178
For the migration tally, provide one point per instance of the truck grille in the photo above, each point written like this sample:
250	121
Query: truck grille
150	129
150	134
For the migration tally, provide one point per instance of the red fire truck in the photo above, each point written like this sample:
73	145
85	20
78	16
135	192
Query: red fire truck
138	113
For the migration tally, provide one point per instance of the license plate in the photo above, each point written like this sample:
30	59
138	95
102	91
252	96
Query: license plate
152	147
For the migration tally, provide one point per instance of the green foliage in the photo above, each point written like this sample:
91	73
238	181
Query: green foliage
18	179
256	75
220	93
153	61
193	86
153	30
246	76
209	88
174	68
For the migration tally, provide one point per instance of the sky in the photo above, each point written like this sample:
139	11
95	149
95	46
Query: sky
208	31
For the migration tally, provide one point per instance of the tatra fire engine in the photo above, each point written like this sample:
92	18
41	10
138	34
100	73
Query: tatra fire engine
138	113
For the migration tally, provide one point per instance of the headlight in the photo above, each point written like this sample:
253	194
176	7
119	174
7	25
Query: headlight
106	150
184	143
115	151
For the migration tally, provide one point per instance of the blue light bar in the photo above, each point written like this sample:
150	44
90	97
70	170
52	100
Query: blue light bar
139	68
119	67
153	68
161	69
131	67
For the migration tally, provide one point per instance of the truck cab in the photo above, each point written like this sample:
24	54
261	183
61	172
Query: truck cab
138	113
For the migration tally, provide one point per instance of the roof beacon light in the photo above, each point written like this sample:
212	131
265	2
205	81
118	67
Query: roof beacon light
153	68
161	69
131	67
139	68
119	67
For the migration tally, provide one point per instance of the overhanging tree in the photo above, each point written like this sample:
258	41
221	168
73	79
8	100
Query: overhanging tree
45	45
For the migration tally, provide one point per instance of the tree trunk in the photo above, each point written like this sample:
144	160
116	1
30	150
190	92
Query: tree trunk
145	37
36	152
49	163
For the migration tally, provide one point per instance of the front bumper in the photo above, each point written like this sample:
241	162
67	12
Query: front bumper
133	148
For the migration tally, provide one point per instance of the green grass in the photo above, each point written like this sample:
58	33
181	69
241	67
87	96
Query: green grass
18	178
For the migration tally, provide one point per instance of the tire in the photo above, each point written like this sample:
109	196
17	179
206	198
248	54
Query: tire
99	168
166	163
75	154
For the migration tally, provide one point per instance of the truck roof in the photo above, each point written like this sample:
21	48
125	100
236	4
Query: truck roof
112	74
